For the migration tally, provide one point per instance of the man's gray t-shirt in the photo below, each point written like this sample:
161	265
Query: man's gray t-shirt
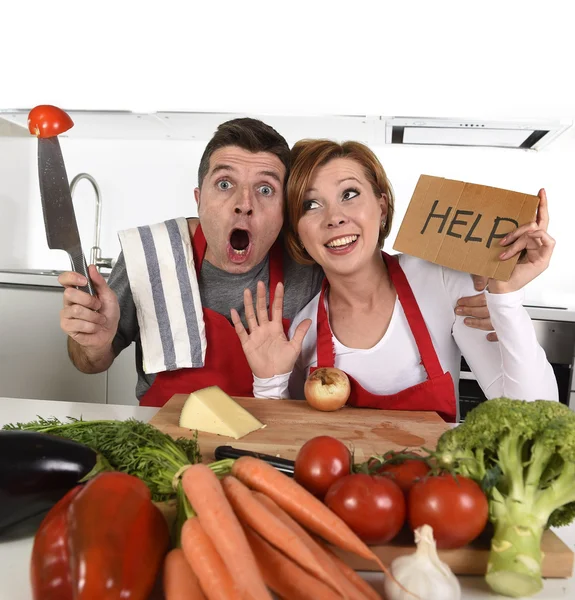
220	291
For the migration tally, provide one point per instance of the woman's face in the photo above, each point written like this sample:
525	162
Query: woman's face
342	215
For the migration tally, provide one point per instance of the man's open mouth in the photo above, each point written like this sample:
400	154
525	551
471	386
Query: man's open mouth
239	244
240	240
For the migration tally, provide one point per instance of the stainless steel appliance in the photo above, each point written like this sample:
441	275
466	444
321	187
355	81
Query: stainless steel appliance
557	338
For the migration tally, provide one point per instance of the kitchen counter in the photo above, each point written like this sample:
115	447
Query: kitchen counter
33	277
546	313
15	556
30	277
49	278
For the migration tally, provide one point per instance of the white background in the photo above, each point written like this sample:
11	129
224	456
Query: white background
452	59
510	57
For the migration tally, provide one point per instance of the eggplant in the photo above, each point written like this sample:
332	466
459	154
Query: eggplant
36	470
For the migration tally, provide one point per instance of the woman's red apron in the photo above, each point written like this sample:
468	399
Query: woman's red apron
437	393
225	363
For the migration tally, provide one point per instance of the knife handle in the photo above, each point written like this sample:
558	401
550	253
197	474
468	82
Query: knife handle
79	265
281	464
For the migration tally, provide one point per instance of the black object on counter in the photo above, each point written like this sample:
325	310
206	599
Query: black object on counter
36	470
281	464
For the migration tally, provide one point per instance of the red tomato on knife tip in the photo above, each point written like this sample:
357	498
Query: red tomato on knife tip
46	121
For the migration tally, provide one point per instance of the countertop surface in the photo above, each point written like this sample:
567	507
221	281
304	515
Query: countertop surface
30	277
33	277
15	556
546	313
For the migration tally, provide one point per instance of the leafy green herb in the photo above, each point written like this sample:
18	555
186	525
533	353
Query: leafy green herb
131	446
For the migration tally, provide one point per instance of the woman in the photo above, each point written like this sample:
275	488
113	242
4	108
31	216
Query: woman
388	322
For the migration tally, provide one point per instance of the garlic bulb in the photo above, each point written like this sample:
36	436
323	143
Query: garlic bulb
422	573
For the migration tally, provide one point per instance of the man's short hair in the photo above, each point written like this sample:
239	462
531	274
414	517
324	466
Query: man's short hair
249	134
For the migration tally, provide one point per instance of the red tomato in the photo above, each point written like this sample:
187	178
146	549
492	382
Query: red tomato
46	121
372	506
406	473
320	462
456	509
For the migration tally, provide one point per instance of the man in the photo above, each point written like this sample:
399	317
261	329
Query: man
236	242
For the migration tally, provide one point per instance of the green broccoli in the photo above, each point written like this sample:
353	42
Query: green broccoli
523	454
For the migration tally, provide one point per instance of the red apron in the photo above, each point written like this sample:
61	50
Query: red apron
437	393
225	364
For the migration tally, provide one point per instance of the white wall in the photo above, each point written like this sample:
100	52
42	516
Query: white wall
140	182
418	58
522	171
148	181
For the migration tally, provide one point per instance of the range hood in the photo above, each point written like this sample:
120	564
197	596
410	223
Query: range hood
530	135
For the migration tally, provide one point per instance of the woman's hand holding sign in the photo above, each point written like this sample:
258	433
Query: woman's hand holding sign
536	246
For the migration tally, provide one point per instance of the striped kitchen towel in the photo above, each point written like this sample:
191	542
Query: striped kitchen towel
160	265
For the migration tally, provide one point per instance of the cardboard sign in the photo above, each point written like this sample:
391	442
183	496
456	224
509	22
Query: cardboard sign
459	225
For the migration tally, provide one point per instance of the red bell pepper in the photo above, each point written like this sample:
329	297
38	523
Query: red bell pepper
50	564
116	540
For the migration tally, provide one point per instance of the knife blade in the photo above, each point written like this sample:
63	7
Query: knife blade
59	216
281	464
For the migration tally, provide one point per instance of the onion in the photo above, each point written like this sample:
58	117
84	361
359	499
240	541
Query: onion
327	389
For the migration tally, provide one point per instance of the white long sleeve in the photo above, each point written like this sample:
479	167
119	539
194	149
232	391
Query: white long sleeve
524	371
272	387
516	366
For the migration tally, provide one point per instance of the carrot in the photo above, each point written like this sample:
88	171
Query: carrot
306	509
273	530
206	563
351	590
351	574
205	493
283	576
180	581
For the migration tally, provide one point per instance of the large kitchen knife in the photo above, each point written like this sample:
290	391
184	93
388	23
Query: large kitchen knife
59	216
284	465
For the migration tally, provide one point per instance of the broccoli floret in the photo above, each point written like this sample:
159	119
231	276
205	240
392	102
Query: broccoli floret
562	516
523	455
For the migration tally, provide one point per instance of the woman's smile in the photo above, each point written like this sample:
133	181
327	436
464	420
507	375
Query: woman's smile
342	244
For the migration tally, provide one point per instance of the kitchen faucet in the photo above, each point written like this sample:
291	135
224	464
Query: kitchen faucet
95	252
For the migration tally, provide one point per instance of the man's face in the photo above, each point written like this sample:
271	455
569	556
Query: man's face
240	206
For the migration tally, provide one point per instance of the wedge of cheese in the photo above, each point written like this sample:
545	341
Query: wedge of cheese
211	410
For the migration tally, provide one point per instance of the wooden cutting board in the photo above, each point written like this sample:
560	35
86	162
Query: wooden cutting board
558	559
290	423
470	560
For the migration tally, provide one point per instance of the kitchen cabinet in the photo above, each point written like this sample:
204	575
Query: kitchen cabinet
122	378
34	361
